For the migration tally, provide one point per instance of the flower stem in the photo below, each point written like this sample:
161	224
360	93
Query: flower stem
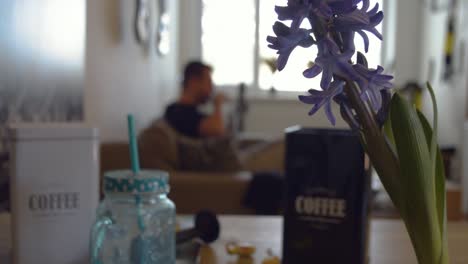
380	153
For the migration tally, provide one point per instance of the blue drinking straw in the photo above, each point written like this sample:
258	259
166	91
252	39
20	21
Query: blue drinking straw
135	163
133	145
139	245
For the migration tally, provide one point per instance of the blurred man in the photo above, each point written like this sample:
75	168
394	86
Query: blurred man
197	89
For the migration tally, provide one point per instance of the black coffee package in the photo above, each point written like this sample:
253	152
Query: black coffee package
327	197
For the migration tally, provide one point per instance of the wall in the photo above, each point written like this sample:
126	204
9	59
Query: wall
42	45
189	31
272	117
407	50
121	76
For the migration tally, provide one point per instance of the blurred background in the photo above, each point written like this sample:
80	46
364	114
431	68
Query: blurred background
95	61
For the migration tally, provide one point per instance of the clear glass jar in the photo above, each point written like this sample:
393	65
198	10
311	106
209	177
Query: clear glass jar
136	220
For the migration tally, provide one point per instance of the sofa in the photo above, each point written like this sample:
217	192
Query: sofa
220	191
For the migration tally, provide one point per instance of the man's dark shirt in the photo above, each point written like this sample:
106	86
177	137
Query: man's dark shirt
185	119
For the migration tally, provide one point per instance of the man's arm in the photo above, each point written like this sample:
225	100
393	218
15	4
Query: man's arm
213	125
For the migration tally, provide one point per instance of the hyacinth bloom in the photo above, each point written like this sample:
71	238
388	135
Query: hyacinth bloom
334	24
398	139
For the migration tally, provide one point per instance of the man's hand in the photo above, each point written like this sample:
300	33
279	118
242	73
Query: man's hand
220	99
213	125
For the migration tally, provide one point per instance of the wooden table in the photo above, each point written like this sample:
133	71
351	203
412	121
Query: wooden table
389	242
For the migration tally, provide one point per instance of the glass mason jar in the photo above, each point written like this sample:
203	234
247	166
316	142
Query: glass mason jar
136	220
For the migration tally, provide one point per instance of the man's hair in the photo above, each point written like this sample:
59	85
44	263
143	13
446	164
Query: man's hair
194	69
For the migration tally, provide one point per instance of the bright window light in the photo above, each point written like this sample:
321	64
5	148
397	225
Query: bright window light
228	40
228	44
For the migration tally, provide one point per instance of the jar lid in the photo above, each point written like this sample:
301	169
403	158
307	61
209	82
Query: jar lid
146	181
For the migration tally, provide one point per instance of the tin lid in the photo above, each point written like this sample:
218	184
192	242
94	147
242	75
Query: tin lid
51	131
146	181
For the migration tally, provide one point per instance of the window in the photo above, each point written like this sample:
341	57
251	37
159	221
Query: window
228	40
238	50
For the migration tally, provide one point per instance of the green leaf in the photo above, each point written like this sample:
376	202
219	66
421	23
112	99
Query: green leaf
440	191
441	206
417	180
388	132
433	144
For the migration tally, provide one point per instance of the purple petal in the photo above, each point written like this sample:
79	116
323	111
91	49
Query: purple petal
329	113
376	33
376	19
341	7
282	60
285	12
327	75
317	93
357	17
375	99
281	29
348	40
365	4
308	99
306	42
374	10
337	86
345	70
314	109
331	45
365	38
312	71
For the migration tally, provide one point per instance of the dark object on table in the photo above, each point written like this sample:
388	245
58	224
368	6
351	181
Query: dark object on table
327	194
4	183
4	194
206	228
265	193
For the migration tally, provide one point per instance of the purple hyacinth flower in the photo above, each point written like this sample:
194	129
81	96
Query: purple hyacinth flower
297	11
342	6
333	62
346	112
359	21
348	41
334	25
383	112
323	98
371	83
287	40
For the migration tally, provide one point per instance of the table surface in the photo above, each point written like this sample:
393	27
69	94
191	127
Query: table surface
389	242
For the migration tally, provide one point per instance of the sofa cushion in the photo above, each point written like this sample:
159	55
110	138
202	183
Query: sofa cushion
158	147
114	156
207	155
164	148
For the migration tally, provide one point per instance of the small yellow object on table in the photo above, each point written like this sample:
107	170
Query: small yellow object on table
271	259
243	250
